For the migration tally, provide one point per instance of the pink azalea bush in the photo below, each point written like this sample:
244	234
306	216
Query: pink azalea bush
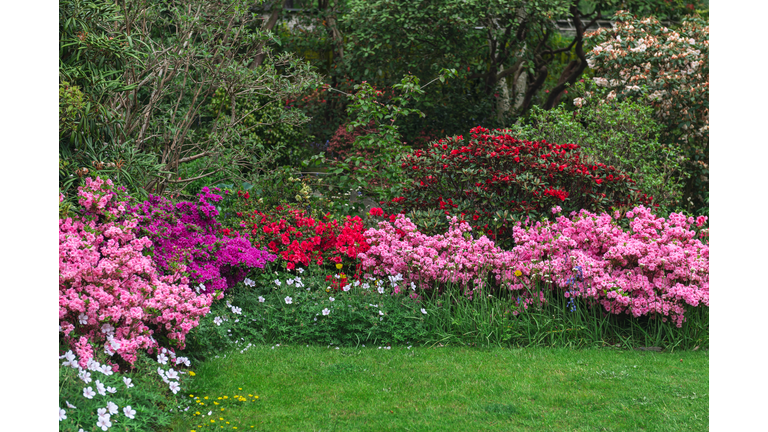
111	295
453	257
657	267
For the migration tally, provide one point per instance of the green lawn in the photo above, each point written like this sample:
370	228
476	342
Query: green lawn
303	388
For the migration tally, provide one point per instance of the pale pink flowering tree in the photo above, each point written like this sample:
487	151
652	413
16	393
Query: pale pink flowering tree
106	278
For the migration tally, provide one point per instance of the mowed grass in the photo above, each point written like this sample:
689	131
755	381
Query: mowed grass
302	388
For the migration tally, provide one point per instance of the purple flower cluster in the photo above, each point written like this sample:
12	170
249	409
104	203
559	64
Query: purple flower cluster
188	234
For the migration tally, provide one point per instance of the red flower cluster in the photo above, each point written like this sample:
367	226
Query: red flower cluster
491	172
300	239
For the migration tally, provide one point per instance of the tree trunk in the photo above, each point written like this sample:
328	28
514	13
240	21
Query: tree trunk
277	6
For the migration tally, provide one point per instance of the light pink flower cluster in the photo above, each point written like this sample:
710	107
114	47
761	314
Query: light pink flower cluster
658	267
454	257
111	296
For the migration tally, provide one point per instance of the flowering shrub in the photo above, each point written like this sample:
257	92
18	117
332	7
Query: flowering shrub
188	234
495	179
111	295
658	267
453	257
295	236
643	60
669	68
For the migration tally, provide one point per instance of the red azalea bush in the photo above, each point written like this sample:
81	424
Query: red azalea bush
297	237
493	179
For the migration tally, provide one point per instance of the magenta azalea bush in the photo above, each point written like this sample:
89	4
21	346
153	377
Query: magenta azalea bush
111	295
658	267
187	234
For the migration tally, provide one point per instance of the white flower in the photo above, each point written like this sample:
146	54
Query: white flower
288	300
62	414
127	382
261	299
69	405
183	360
162	359
413	286
289	281
111	390
277	282
326	311
424	311
331	298
85	376
100	388
88	393
107	329
129	412
199	288
174	386
381	290
300	270
218	321
104	423
381	313
578	102
366	286
83	318
112	408
346	288
172	374
236	310
249	282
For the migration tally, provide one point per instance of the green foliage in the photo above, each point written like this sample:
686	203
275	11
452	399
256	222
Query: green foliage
622	134
265	126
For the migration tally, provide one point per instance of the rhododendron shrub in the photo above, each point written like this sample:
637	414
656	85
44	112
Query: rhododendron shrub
658	267
641	59
187	234
492	179
111	295
297	237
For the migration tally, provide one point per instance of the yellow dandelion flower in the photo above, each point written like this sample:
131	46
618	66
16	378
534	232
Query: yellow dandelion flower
239	388
221	418
191	395
213	421
256	397
518	273
197	412
205	397
222	409
226	397
339	266
192	373
215	403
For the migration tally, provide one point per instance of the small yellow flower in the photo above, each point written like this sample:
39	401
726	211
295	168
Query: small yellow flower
205	397
191	395
213	421
256	397
226	397
197	412
239	388
222	409
215	403
191	373
339	266
219	398
518	273
221	418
